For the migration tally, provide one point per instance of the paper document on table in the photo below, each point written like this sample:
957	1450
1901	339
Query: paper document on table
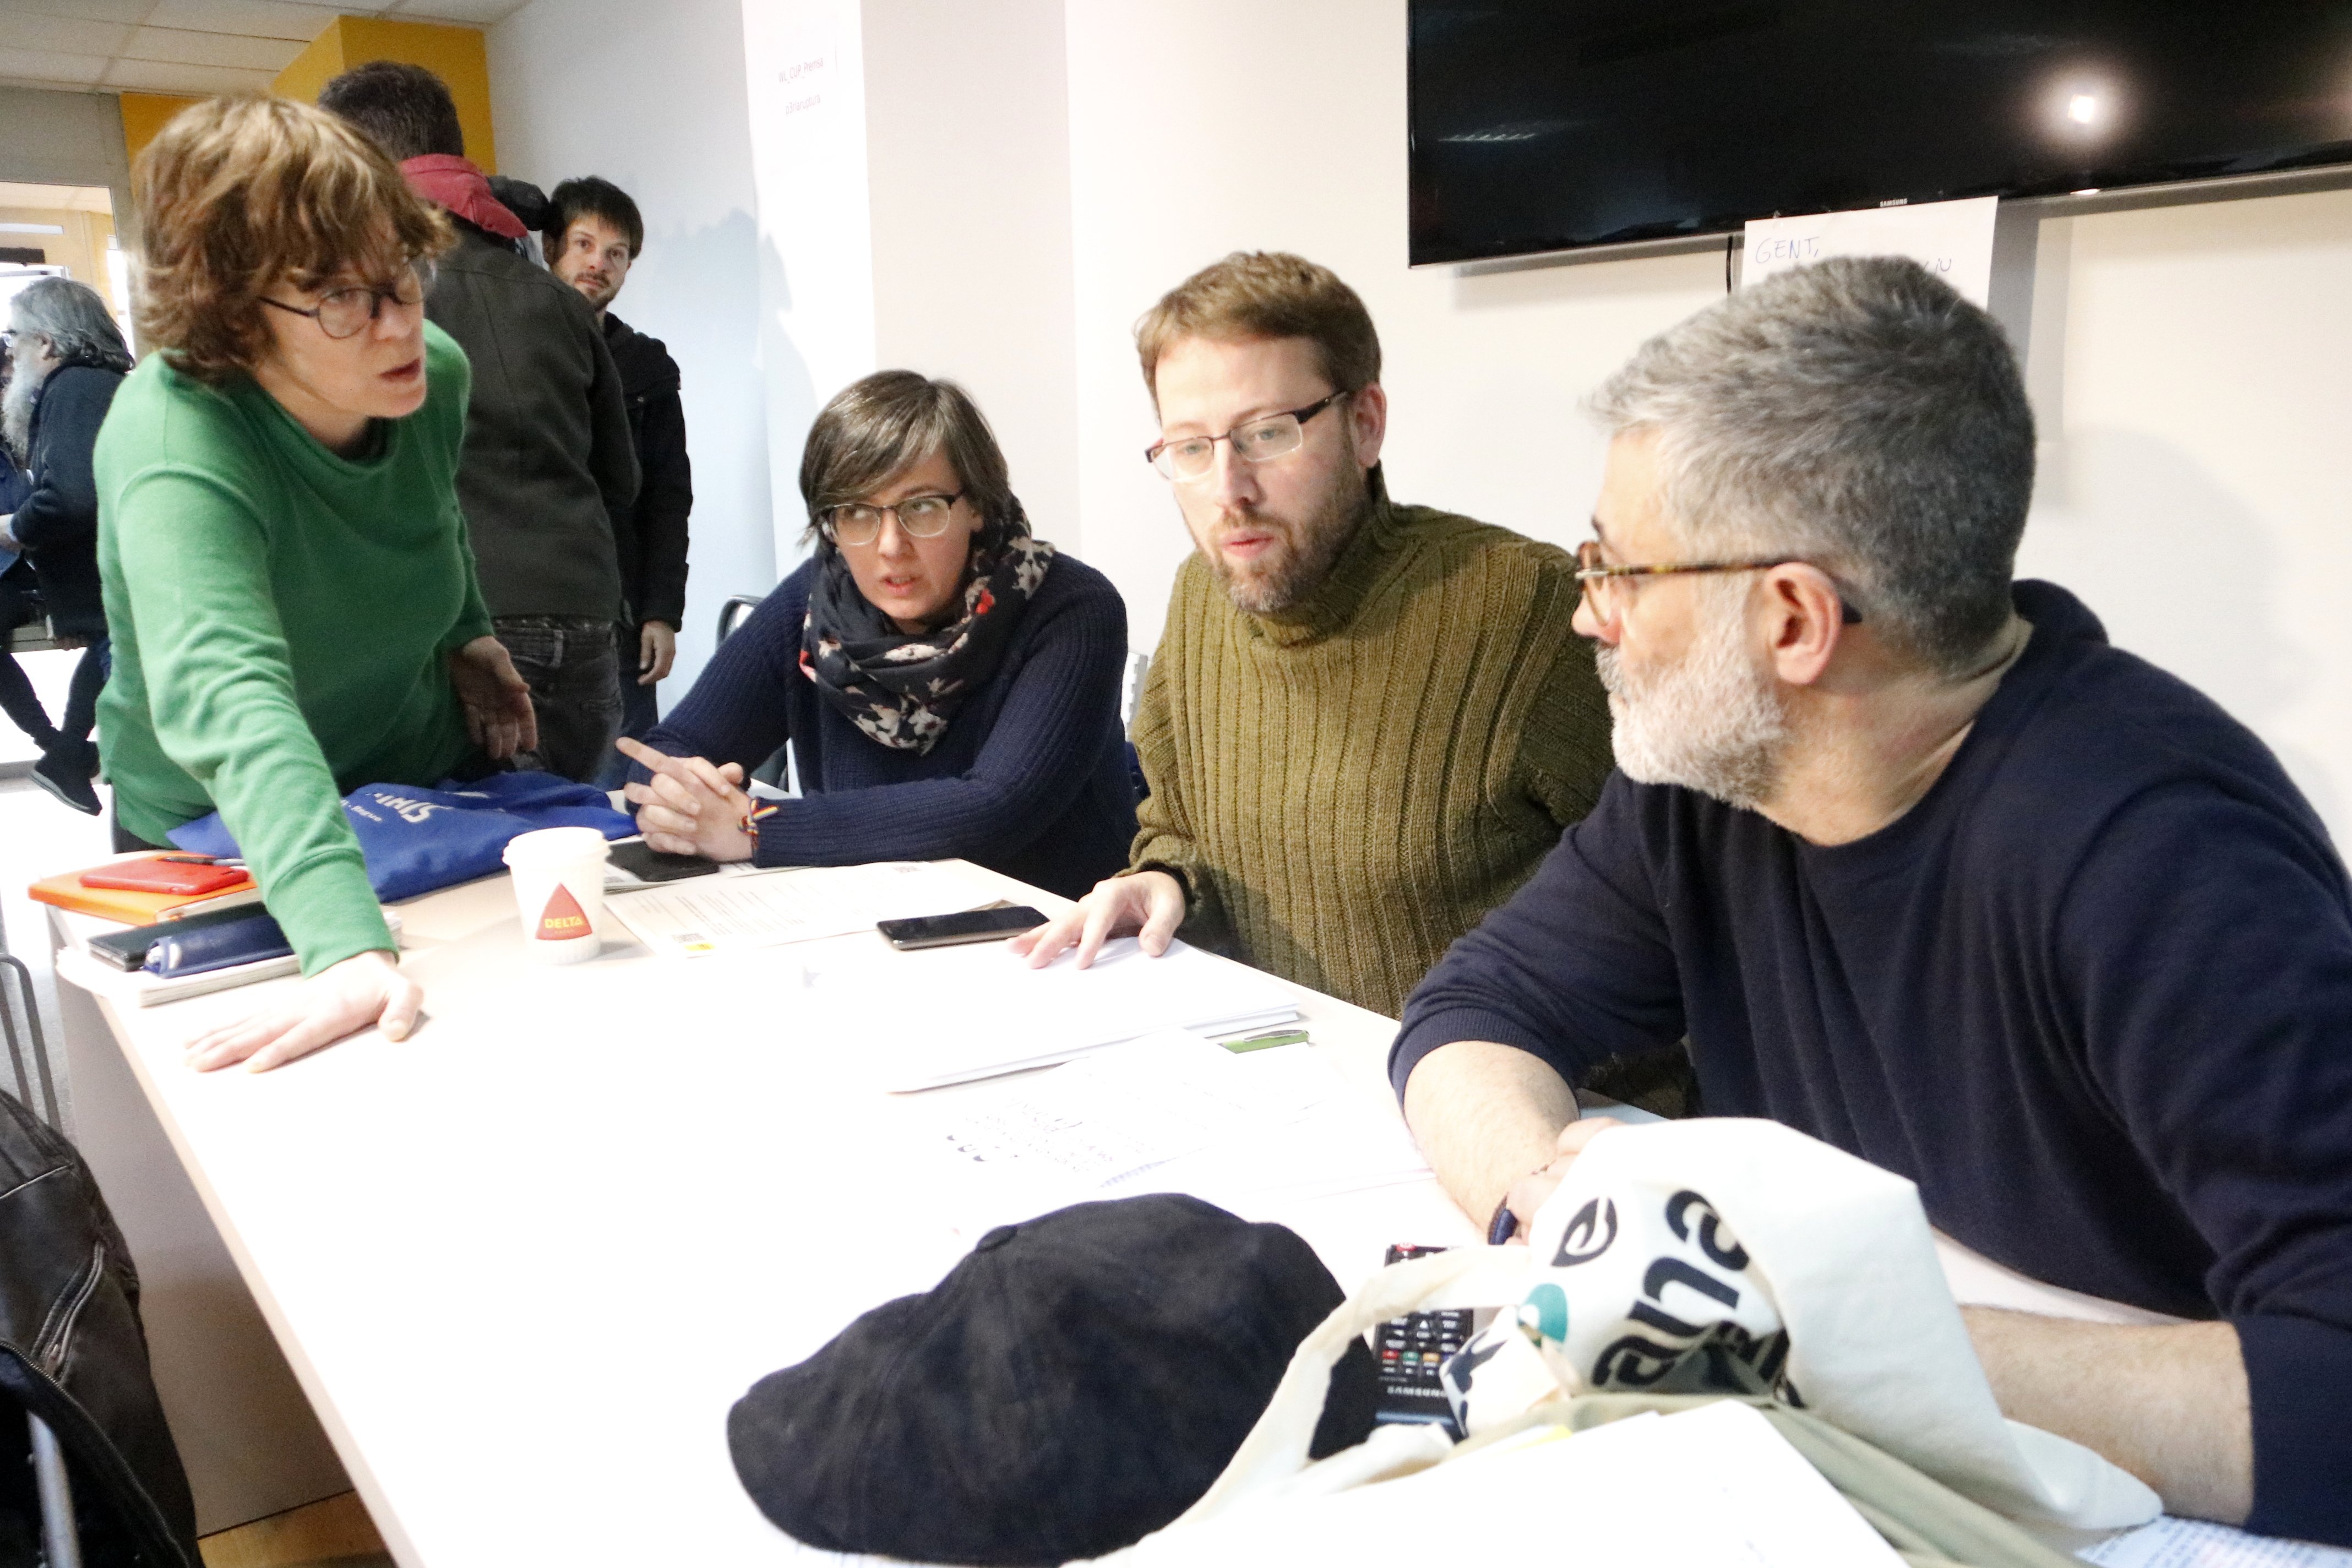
2194	1543
1170	1112
1008	1018
729	914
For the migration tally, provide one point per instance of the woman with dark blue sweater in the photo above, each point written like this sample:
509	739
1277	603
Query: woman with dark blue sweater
949	684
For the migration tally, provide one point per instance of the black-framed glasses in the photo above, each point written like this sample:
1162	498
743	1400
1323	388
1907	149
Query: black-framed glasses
1188	457
347	312
857	525
1606	587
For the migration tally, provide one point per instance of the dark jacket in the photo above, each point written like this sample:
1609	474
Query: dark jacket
651	535
72	1352
548	463
57	524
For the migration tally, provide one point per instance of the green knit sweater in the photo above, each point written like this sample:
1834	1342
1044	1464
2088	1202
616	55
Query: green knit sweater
1346	786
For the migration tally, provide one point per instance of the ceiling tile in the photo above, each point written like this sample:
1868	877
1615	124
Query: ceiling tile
249	18
182	47
63	34
162	75
127	13
471	12
42	64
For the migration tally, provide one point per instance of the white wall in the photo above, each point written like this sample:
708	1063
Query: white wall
652	98
2196	491
966	136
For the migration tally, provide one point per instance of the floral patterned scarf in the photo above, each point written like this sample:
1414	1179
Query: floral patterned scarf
902	690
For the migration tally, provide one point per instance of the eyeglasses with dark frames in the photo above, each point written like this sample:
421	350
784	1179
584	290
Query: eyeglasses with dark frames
1188	457
857	525
344	313
1605	586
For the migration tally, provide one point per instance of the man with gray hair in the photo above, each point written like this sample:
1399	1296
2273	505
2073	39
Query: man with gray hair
1926	870
68	357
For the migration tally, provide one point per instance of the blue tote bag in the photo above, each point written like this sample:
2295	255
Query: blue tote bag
417	840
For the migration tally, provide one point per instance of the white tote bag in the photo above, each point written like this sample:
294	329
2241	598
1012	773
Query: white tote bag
1717	1253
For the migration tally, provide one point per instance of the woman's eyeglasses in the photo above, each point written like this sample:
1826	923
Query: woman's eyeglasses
857	525
347	312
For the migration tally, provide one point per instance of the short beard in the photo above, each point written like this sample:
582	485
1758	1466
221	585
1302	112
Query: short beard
1711	723
17	412
1307	551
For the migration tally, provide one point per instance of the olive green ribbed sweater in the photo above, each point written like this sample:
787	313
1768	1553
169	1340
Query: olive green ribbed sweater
1348	785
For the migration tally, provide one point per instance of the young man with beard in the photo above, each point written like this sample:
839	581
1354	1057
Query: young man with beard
1925	868
593	234
1366	723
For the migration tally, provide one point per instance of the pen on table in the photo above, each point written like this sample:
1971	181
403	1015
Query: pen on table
230	861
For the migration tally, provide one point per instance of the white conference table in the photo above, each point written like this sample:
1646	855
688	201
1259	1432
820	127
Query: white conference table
522	1263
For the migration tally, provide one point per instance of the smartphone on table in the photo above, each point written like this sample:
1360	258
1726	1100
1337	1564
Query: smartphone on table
966	925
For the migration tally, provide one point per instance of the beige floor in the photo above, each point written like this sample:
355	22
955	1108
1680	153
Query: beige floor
335	1532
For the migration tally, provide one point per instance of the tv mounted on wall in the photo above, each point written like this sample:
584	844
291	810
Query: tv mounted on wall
1554	125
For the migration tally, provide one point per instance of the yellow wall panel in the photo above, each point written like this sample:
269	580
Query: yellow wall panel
454	54
145	113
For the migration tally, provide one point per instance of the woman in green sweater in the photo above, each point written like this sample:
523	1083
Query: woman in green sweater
294	606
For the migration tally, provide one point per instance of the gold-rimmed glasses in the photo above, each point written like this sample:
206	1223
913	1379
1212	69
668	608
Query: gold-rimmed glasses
1607	588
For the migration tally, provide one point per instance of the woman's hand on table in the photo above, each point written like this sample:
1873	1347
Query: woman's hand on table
1148	905
1530	1192
689	806
342	999
496	698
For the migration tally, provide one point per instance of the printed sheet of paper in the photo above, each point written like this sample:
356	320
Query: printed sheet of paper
1010	1017
2194	1543
1168	1112
732	914
1951	239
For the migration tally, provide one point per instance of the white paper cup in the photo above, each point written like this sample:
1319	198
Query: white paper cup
559	882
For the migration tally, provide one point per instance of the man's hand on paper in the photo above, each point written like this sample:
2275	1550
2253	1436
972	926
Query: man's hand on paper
1147	905
495	698
689	806
342	999
1530	1192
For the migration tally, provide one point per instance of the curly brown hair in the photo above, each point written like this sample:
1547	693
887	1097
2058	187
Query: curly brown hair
1266	294
241	194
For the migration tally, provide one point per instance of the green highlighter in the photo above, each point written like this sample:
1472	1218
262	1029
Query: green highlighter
1265	1042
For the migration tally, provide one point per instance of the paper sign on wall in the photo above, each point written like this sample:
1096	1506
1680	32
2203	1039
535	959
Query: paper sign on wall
1951	239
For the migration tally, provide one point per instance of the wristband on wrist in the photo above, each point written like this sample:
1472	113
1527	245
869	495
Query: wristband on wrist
752	819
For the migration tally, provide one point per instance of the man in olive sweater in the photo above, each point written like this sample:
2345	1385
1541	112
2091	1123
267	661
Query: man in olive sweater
1366	723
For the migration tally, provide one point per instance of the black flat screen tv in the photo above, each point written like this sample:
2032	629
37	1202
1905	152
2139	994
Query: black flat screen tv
1549	125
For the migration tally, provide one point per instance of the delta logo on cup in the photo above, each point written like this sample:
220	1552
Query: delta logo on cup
563	920
559	881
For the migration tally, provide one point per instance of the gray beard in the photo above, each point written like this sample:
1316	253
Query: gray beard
1309	552
17	410
1711	723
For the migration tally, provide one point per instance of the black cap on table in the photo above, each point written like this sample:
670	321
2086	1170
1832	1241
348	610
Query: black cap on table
1071	1386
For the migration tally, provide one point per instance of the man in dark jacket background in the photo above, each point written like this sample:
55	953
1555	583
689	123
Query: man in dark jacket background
66	359
549	466
593	234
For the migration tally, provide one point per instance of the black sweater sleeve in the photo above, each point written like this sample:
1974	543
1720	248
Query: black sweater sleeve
665	497
62	509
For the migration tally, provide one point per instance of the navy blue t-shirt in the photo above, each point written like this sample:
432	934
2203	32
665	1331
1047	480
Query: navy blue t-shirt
1030	779
2092	994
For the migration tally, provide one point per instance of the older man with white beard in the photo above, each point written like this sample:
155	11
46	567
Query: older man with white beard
1926	870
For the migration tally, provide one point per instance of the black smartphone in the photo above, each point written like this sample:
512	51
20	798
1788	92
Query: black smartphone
647	864
969	925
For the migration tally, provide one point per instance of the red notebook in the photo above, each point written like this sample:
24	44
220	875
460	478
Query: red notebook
132	907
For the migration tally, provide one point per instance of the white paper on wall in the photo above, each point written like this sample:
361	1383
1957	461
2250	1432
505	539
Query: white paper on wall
1951	239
